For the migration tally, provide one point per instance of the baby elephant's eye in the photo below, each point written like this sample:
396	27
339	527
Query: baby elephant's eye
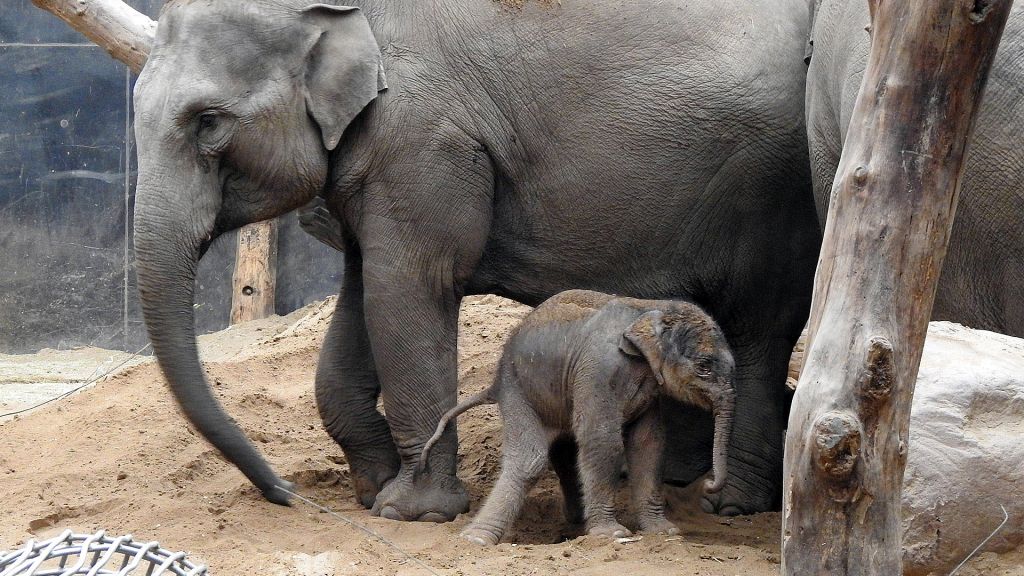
703	368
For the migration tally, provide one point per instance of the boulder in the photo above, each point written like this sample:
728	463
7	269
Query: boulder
966	449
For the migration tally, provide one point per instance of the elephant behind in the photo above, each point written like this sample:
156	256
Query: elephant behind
982	281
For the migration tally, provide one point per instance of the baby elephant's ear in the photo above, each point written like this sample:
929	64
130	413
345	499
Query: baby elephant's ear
641	338
627	347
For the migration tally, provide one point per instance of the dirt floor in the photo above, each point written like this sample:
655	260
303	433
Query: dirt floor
119	456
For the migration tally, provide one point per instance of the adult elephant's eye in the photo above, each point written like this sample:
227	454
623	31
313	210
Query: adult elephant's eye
213	131
207	122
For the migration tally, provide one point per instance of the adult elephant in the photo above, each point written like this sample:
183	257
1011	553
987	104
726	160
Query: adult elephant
655	150
982	282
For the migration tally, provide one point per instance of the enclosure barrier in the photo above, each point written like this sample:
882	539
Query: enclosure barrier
127	35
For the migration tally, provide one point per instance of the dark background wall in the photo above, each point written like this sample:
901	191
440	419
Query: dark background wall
67	178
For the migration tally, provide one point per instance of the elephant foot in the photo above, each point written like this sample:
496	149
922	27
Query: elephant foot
369	477
478	535
741	496
609	529
424	498
658	525
754	480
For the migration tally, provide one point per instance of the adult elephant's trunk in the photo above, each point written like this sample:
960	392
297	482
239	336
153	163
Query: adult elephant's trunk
723	409
171	223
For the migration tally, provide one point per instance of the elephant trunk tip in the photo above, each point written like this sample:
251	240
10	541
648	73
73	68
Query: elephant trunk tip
280	493
714	485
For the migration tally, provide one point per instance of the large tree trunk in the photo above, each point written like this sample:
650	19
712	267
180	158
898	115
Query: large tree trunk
893	204
128	36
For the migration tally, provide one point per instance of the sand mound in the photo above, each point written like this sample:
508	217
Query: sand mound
119	456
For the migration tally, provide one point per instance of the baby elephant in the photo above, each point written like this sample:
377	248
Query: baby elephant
581	375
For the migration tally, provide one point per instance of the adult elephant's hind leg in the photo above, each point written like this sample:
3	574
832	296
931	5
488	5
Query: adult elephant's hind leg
347	390
413	325
563	455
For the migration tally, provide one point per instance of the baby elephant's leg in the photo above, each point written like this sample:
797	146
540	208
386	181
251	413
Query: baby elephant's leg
563	459
524	458
599	437
645	442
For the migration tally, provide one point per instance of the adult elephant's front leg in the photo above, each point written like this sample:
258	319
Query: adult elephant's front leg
412	315
754	482
347	390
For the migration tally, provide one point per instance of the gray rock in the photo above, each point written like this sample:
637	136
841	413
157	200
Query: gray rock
966	449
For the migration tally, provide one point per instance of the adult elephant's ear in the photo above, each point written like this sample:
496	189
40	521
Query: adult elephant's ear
344	72
642	338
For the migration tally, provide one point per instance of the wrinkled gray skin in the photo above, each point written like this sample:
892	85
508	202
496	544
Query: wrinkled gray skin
982	281
654	151
585	370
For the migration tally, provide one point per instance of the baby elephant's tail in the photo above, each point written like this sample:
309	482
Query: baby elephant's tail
482	397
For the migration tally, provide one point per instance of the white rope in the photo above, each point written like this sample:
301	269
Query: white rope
362	528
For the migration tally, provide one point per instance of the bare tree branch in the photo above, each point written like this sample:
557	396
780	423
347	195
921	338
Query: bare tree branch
111	24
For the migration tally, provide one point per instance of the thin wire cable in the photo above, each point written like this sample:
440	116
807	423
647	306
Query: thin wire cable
1006	518
362	528
77	388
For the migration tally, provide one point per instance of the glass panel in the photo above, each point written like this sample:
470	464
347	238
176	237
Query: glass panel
67	181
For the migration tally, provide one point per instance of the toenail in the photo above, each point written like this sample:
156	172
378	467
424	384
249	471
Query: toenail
476	540
434	517
390	513
730	511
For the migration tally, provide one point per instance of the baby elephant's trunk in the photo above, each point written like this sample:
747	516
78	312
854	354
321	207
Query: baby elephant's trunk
723	410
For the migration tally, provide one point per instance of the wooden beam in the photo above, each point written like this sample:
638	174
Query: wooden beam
253	282
127	35
889	220
111	24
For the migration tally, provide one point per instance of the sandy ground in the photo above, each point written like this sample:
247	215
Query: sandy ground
119	456
26	380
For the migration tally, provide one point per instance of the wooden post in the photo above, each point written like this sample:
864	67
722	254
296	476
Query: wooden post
889	221
253	282
128	36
